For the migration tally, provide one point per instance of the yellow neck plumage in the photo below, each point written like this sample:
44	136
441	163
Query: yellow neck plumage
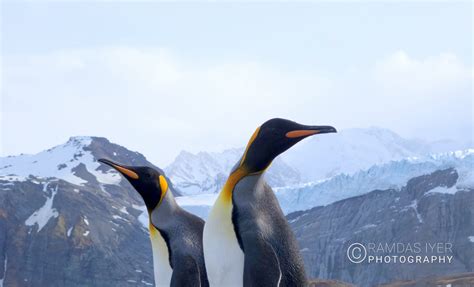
240	172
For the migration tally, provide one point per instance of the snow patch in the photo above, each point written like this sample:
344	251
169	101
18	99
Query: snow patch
86	221
12	177
44	213
414	206
443	189
471	239
143	217
5	262
86	233
368	226
119	218
69	232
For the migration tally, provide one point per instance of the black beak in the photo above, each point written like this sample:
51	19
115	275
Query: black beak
128	171
323	129
306	131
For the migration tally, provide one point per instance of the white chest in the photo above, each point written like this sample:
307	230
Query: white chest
161	266
222	254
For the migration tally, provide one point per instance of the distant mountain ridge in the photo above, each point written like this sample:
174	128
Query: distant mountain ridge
206	172
314	159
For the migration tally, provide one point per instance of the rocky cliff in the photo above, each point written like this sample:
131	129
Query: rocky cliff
429	209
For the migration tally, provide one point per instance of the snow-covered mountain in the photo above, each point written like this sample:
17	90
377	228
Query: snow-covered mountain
74	161
393	174
206	172
63	162
352	150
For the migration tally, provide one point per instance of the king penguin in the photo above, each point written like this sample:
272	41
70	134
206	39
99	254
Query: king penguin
247	239
175	234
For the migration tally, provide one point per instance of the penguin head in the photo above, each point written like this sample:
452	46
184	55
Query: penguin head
274	137
149	183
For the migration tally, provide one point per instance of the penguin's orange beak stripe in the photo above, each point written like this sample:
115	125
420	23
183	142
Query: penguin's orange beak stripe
126	171
301	133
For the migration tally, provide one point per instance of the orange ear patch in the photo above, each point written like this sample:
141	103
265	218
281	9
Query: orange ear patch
163	184
301	133
164	188
127	172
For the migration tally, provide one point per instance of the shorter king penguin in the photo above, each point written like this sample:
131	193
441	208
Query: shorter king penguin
247	239
176	235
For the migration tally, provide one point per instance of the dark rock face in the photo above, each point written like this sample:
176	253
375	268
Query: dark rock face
457	280
84	244
407	216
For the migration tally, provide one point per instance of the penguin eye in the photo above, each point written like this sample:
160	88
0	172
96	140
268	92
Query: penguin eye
149	176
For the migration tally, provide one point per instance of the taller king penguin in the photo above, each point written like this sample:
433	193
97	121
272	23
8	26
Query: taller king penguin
247	240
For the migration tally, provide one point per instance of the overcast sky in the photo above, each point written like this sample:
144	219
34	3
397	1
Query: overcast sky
162	77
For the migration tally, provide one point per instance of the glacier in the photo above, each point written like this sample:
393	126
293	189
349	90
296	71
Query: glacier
391	175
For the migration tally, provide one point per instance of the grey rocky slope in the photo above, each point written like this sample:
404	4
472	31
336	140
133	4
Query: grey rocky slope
428	209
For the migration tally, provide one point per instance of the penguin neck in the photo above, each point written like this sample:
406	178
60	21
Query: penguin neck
239	172
162	216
